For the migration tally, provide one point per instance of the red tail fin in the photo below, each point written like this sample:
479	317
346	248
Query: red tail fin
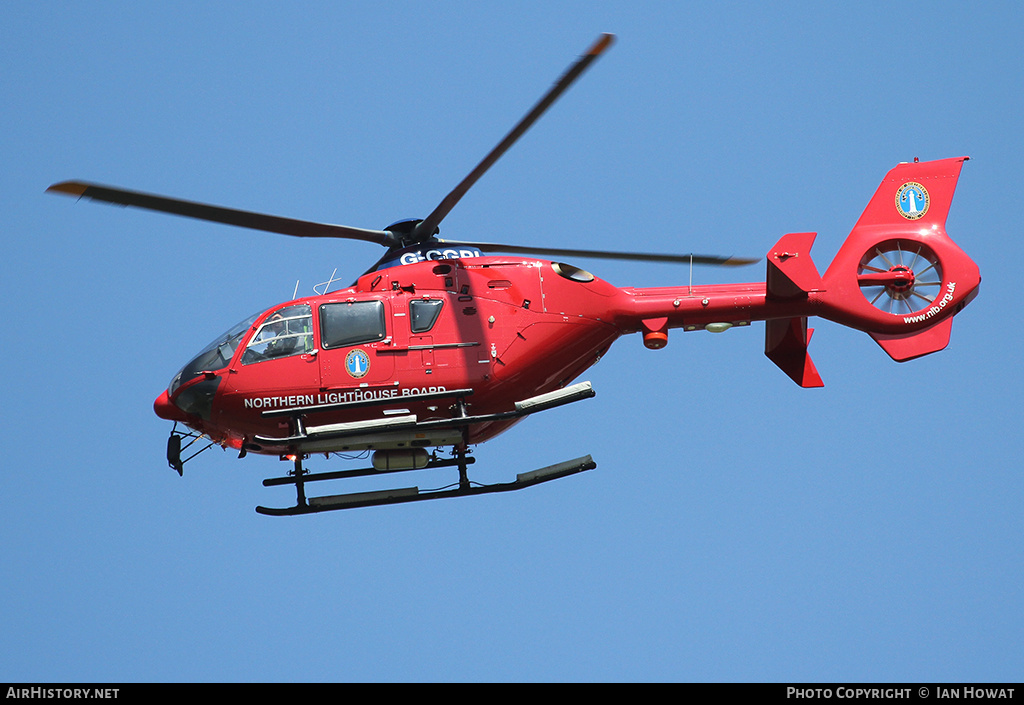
785	344
899	276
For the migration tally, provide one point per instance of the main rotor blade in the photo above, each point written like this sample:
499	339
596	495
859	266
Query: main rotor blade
714	260
219	214
426	228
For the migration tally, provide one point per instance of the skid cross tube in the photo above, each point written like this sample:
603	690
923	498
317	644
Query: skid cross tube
365	472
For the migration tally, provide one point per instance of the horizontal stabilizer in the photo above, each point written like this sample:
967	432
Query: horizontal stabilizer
906	347
785	344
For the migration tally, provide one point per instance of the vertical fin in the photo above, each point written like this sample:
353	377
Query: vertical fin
785	344
791	272
906	347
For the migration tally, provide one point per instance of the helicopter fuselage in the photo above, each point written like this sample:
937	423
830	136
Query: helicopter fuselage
394	344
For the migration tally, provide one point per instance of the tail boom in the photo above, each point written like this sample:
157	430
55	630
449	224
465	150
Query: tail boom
898	277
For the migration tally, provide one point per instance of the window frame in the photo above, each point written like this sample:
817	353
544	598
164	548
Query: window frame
437	306
348	341
304	340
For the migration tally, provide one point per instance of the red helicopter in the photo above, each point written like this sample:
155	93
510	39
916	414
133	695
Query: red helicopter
441	346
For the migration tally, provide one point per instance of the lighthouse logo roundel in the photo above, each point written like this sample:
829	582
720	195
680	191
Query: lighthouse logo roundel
357	363
912	200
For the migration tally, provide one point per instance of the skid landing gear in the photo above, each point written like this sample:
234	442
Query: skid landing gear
299	477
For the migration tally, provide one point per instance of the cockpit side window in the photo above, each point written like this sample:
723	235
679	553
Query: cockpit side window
423	314
288	331
351	323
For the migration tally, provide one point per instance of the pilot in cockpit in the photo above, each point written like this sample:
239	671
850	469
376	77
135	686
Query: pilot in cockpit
282	344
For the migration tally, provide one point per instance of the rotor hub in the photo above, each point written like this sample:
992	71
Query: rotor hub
902	279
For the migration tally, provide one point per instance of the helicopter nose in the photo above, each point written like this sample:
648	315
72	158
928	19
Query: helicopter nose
166	410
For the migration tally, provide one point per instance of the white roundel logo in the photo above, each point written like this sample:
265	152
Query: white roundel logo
912	200
357	363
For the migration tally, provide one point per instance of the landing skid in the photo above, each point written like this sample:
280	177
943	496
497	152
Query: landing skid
410	494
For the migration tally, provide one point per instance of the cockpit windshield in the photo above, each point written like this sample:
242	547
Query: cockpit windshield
215	356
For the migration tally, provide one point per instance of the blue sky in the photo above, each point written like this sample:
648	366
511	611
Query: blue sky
736	528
